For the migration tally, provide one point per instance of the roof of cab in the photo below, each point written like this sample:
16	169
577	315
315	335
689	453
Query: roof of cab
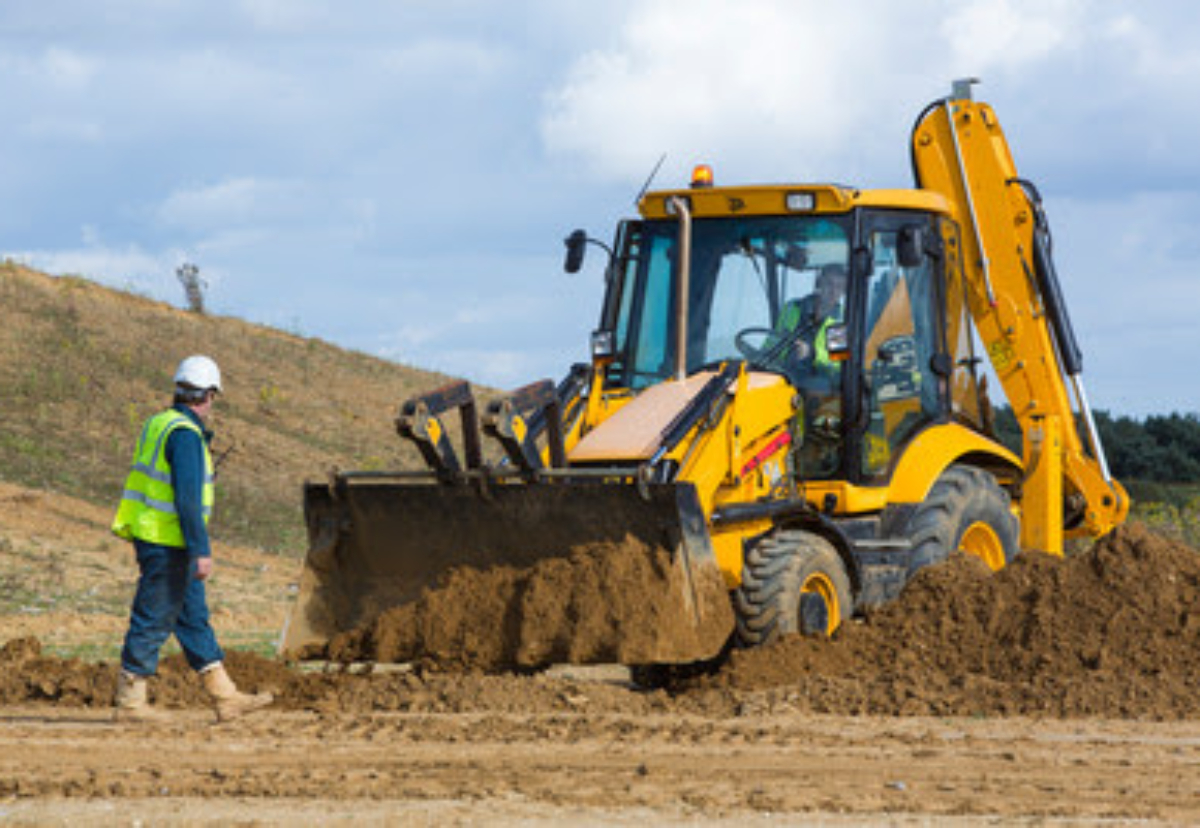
772	200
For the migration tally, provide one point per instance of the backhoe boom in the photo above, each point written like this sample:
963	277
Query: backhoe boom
960	151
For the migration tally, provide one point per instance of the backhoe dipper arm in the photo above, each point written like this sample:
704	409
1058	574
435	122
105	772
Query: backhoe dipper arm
960	151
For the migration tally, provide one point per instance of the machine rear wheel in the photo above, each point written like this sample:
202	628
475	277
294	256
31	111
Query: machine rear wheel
967	511
792	582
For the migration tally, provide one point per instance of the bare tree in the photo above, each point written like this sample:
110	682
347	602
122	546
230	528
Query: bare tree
193	286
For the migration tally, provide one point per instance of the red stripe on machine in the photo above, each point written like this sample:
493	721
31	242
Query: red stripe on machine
770	448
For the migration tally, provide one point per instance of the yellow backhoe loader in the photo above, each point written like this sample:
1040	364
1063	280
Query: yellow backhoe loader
785	400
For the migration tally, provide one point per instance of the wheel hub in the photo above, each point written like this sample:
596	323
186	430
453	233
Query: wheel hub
819	611
981	540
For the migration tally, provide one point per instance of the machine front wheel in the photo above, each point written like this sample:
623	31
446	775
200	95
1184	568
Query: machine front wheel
792	582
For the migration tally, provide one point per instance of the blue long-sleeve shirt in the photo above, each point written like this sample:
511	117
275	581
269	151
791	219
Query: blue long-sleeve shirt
185	454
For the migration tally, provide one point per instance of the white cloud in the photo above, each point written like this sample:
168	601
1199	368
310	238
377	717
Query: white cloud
63	129
1156	54
781	89
749	79
1003	34
64	68
458	59
235	202
130	267
285	16
215	82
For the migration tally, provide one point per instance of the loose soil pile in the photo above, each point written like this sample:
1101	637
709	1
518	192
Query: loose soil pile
1113	632
624	602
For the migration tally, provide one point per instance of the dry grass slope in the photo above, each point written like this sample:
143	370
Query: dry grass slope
81	366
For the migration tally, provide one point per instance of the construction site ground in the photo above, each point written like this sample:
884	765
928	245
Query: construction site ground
71	766
1055	692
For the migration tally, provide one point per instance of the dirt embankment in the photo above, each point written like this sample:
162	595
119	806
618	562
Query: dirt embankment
1113	632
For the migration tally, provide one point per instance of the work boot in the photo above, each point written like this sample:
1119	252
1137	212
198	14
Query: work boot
227	701
130	703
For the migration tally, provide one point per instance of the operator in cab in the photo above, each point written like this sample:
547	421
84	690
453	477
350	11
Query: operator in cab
809	319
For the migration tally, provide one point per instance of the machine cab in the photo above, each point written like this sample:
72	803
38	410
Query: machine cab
854	297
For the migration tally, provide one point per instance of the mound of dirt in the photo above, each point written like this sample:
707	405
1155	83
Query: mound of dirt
1114	631
20	650
606	602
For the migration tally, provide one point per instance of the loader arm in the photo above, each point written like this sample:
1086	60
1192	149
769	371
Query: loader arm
960	151
738	455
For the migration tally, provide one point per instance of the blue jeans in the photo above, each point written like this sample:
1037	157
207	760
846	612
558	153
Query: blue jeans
169	599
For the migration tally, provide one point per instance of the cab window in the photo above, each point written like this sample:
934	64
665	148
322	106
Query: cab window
901	337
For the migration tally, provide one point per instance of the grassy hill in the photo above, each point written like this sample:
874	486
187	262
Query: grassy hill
81	367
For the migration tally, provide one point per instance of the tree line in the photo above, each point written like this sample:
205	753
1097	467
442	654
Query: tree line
1163	448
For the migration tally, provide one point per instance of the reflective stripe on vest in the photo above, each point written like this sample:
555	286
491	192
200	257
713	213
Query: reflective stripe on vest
821	346
147	511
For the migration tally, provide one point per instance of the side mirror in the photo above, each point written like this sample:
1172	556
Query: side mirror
910	245
576	244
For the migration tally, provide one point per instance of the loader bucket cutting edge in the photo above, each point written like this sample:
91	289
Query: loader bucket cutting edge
377	545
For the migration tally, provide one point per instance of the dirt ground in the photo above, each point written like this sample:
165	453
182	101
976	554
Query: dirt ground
66	765
1055	692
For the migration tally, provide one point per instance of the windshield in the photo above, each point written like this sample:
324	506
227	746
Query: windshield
762	289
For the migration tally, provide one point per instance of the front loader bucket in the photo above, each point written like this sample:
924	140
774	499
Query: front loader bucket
585	572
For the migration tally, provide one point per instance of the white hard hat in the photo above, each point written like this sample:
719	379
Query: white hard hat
199	372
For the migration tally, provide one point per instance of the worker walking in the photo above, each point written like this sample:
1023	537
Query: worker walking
164	511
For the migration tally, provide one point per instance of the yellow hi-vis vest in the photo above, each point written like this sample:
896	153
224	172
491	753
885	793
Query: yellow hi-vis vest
821	346
147	511
789	320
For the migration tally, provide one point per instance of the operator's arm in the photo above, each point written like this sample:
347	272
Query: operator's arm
185	453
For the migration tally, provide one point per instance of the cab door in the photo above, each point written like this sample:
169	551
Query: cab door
901	330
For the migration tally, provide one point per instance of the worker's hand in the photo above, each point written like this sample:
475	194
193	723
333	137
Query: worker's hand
204	567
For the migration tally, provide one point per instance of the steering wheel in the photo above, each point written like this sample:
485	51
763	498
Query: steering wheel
741	340
791	348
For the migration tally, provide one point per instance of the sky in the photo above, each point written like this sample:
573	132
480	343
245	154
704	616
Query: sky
397	176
